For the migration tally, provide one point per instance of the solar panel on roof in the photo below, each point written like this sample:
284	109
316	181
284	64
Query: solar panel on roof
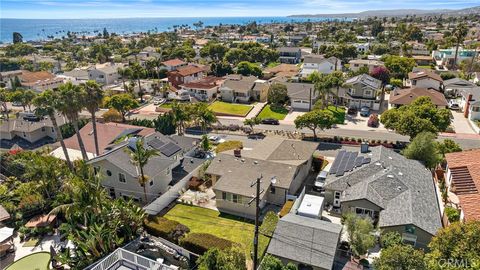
351	161
169	149
366	160
156	143
358	162
336	162
343	164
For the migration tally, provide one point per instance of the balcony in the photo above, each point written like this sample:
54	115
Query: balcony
124	259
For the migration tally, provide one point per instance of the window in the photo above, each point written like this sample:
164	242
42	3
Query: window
151	182
96	169
121	177
53	130
24	134
235	198
272	189
224	196
475	109
337	195
43	129
111	192
367	92
109	173
414	82
168	171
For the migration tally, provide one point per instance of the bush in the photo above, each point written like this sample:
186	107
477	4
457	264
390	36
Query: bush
390	239
68	130
453	214
165	228
201	242
373	120
112	115
229	145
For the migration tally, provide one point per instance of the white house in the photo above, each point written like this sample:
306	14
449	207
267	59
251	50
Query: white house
356	64
320	64
106	74
424	78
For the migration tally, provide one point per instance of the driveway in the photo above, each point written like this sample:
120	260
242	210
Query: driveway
358	122
461	124
290	117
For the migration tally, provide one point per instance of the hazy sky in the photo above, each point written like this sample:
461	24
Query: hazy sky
61	9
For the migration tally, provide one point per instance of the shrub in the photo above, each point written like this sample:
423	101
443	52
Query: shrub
112	115
201	242
373	120
165	228
453	214
229	145
390	239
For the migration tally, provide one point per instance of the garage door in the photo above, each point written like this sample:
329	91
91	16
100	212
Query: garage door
300	104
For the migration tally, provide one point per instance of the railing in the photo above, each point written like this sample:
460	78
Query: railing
120	255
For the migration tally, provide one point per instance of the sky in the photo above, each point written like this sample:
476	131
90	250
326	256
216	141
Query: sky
64	9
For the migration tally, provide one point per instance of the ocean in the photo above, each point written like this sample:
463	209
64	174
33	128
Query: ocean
40	29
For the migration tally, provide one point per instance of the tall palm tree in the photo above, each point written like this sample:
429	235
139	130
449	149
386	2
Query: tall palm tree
205	116
124	72
45	104
460	32
181	115
70	104
92	99
323	86
4	98
337	80
140	157
137	72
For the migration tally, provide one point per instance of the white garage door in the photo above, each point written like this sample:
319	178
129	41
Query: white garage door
300	104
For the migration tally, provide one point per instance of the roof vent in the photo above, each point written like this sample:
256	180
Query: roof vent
400	173
255	162
243	160
390	176
390	158
399	188
378	163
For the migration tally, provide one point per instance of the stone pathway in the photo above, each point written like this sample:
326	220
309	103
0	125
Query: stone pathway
257	108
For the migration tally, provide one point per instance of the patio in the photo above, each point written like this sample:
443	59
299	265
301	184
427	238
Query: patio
205	198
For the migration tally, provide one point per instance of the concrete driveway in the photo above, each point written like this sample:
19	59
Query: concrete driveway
460	123
290	117
358	122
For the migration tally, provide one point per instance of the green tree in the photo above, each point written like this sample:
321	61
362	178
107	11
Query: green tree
205	143
277	94
221	69
399	66
214	50
235	56
459	242
391	239
246	68
337	80
360	233
323	85
251	122
423	148
137	73
460	32
400	257
140	156
421	115
181	113
70	104
4	98
122	103
92	98
45	104
316	119
165	123
270	262
216	259
447	146
203	115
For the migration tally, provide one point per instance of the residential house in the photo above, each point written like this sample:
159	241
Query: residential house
302	95
446	57
173	64
148	53
75	76
464	91
361	90
282	70
104	74
400	97
30	133
282	164
185	74
306	242
318	63
37	80
121	258
205	89
238	88
289	55
423	60
107	134
397	193
7	77
418	48
462	178
424	78
121	175
356	64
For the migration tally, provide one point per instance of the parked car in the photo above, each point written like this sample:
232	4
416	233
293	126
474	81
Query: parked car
216	139
159	101
365	111
17	104
270	121
453	105
321	177
352	111
31	117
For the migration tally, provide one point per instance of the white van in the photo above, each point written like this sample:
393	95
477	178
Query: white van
321	177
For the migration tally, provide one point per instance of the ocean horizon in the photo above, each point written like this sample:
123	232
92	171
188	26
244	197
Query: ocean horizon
40	29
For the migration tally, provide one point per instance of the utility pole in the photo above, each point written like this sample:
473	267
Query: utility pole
257	213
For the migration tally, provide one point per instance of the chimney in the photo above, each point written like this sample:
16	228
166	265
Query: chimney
364	147
237	153
467	106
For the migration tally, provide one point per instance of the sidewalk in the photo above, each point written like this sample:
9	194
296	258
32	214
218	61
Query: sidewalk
257	108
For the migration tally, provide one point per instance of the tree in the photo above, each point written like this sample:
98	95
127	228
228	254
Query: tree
336	80
140	156
137	72
270	262
400	257
447	146
122	103
221	69
216	259
360	233
422	148
399	66
203	115
246	68
382	74
45	104
181	116
277	94
323	85
460	32
70	104
235	56
93	97
4	98
18	97
455	247
421	115
316	119
165	123
214	50
124	73
377	28
252	122
391	239
205	143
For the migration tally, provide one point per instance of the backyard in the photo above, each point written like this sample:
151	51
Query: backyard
278	113
202	220
226	108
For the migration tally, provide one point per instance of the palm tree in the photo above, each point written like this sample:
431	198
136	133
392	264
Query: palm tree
4	98
181	115
124	72
45	104
337	80
70	103
323	86
137	72
460	32
92	99
140	157
252	122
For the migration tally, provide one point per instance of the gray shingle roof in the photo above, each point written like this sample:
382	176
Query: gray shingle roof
366	80
305	240
402	187
300	90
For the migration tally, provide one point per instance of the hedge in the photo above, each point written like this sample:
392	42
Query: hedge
201	242
165	228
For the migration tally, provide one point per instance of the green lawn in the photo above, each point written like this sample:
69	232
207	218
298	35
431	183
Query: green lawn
34	261
202	220
338	113
276	113
230	108
166	105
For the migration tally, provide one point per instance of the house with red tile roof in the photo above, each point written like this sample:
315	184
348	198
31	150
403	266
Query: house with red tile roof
174	64
462	178
185	74
205	88
424	78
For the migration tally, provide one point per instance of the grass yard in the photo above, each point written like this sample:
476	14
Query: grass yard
166	105
275	113
34	261
202	220
230	108
32	242
338	113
